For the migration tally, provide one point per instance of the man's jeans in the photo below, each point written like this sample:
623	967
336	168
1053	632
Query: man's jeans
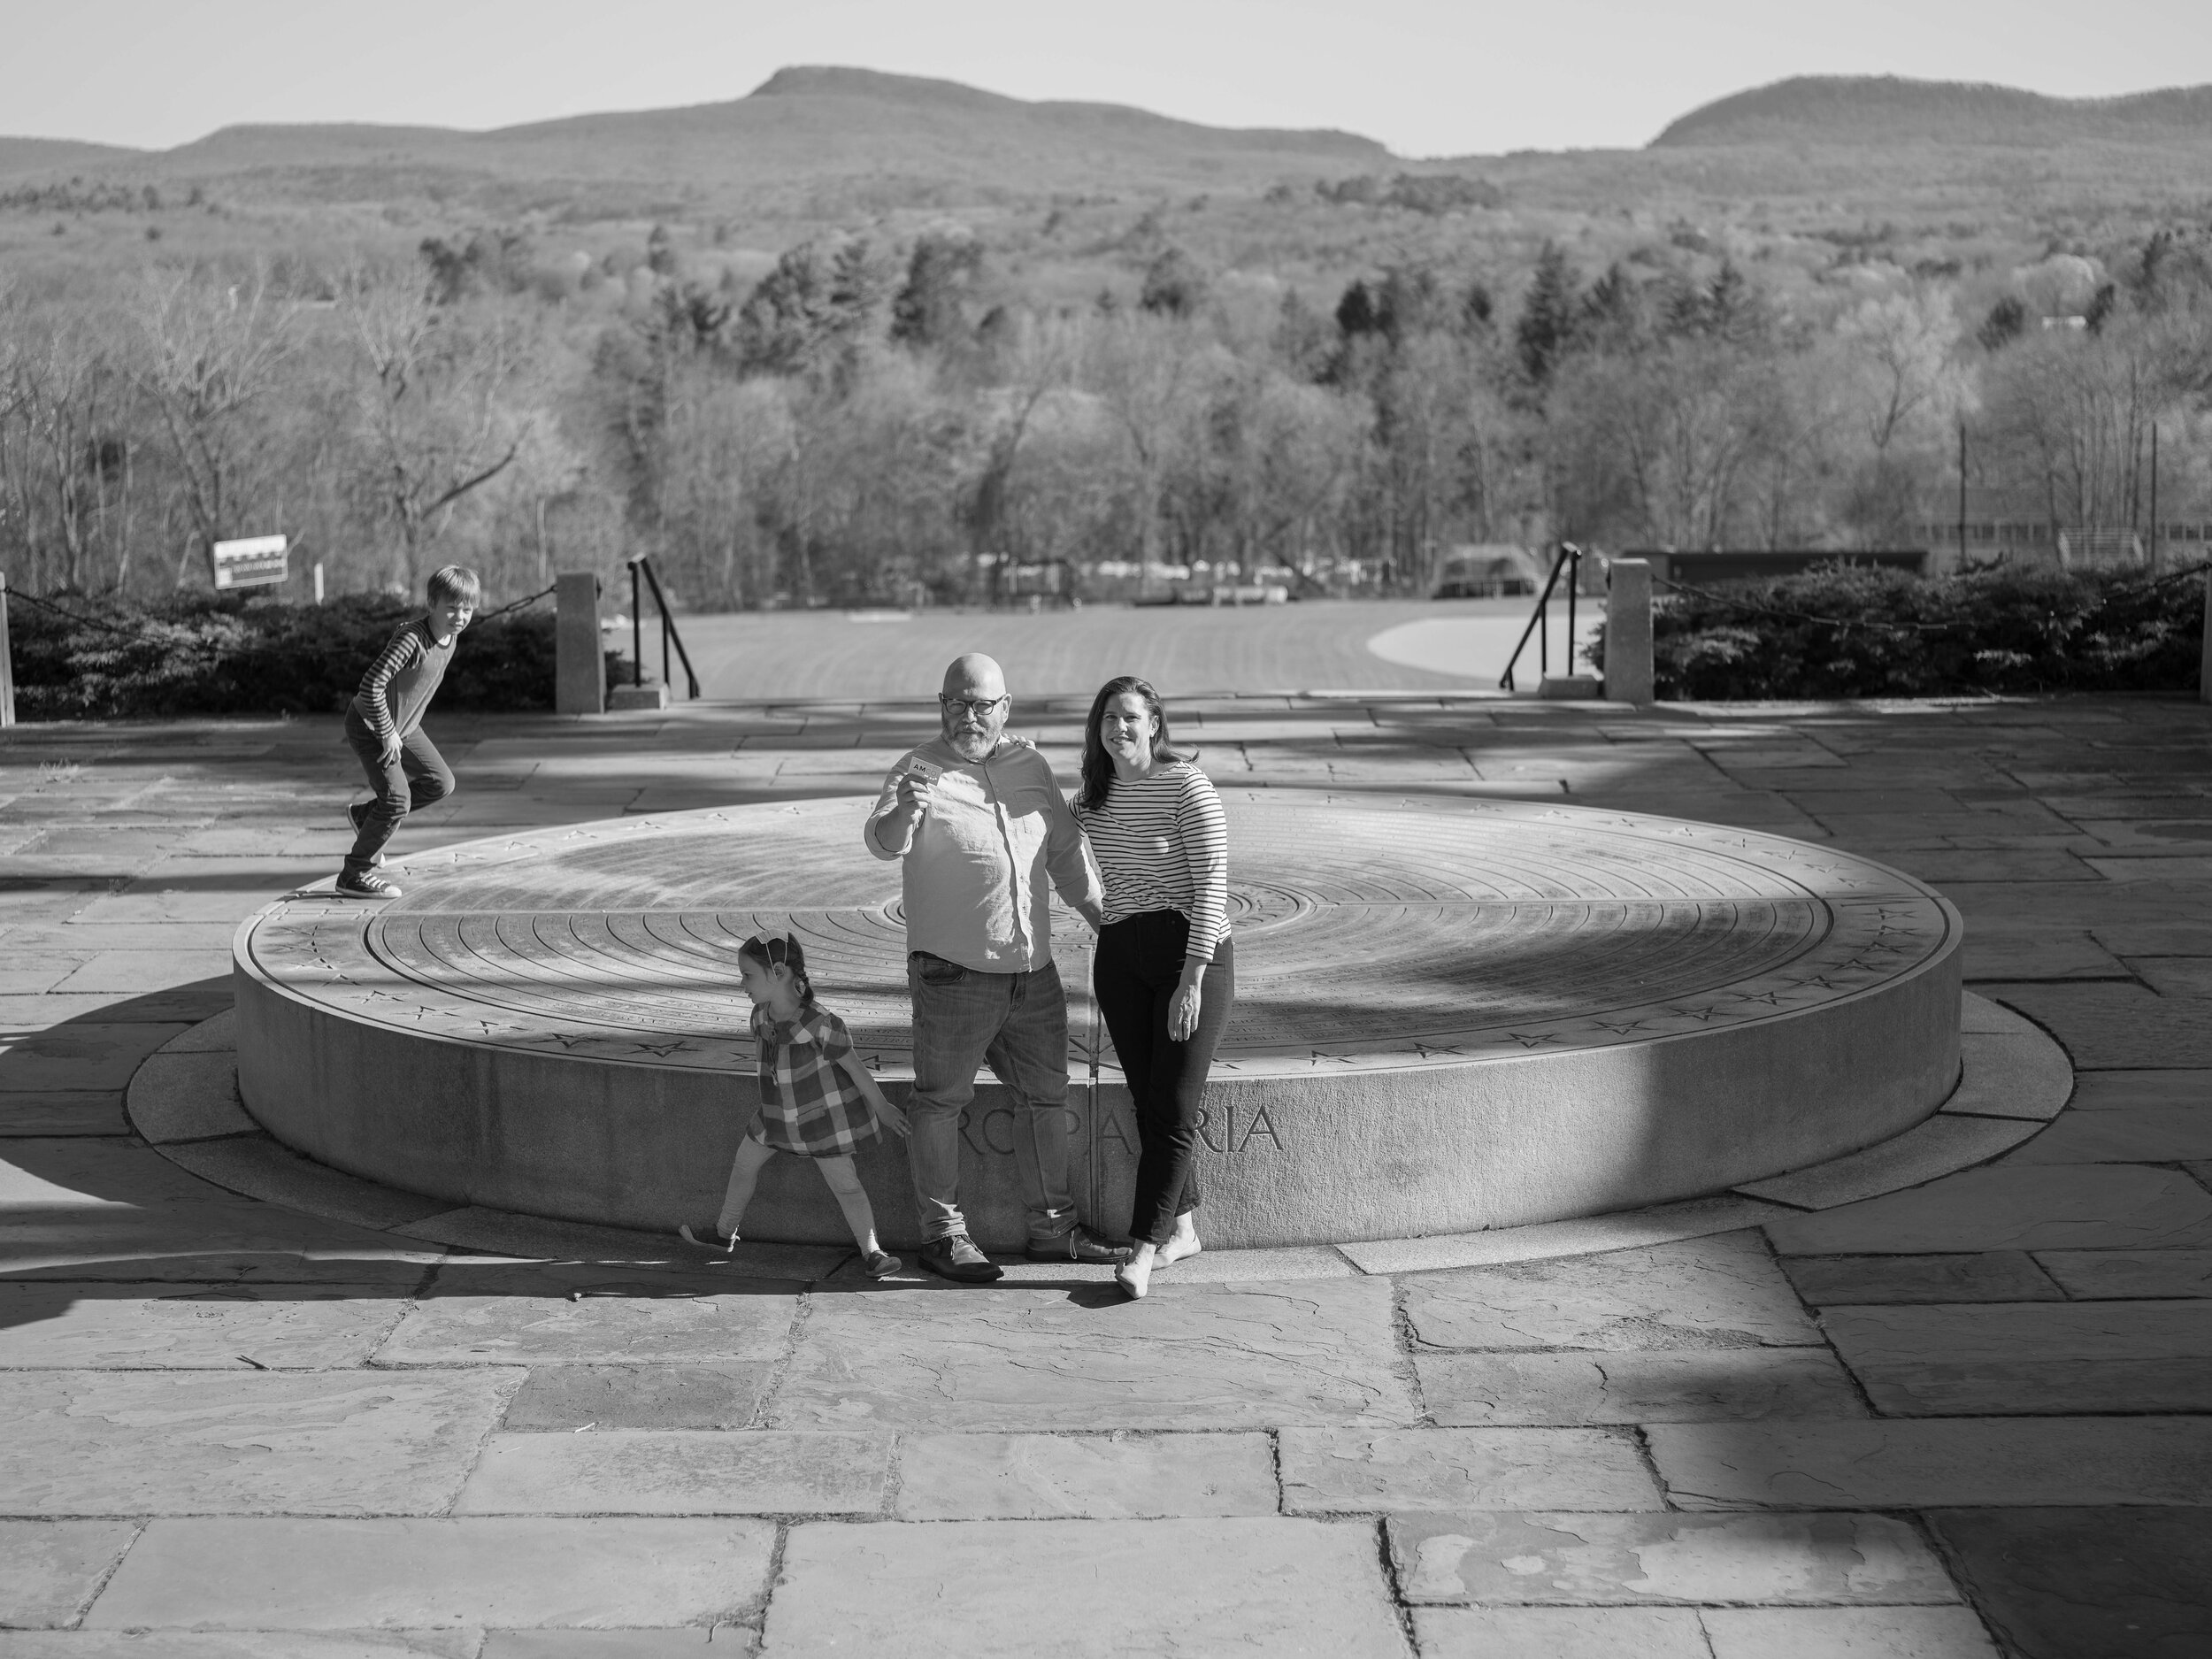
1019	1023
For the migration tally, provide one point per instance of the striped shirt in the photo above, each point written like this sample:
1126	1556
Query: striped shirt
400	683
1162	844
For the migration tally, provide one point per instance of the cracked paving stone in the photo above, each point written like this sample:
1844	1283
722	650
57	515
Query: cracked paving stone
48	1570
1217	1356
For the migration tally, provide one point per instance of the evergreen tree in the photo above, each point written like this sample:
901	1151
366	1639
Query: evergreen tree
1546	332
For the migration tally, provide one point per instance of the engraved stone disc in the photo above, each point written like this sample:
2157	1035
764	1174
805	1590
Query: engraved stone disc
1450	1014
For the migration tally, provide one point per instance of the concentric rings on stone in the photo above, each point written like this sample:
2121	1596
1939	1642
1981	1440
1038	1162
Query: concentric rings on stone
1406	949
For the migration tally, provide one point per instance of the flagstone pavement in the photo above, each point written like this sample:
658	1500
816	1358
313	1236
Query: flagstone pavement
1969	1418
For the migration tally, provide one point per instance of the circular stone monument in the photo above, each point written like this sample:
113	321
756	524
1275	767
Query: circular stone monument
1451	1015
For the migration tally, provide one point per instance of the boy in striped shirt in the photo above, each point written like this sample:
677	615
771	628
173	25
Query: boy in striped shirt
384	728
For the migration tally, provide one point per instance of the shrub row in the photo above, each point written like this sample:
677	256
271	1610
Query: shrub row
1851	631
92	658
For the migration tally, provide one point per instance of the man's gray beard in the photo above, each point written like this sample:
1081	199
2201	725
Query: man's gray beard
972	745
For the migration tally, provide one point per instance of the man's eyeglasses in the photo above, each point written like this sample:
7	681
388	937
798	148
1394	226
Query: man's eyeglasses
978	706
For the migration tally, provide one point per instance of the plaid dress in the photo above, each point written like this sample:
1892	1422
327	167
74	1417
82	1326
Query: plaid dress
807	1105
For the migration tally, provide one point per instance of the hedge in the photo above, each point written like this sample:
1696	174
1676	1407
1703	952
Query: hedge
77	658
1852	631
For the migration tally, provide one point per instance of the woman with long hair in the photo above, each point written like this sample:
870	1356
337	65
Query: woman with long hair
1164	974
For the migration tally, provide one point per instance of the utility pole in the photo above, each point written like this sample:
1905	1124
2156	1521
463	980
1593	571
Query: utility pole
1962	492
2151	552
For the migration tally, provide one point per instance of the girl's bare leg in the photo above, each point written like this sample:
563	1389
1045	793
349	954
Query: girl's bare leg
745	1168
843	1179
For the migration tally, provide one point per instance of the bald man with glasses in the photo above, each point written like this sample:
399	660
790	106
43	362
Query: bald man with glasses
980	827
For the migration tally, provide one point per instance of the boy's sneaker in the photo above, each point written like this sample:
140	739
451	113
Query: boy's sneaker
1078	1244
367	884
956	1258
881	1264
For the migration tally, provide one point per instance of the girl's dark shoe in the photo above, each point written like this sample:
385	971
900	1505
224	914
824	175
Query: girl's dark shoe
881	1264
367	884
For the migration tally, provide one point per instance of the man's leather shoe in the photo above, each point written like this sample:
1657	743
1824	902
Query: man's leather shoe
956	1258
1078	1244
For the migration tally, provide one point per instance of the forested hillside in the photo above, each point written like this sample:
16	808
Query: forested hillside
855	338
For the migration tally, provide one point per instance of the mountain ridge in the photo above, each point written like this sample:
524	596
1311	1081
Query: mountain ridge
1862	110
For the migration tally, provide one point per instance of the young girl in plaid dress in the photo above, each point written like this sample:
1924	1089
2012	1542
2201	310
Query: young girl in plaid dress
817	1099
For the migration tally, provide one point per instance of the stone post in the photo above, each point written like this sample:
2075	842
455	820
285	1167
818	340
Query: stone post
1628	633
580	660
2204	659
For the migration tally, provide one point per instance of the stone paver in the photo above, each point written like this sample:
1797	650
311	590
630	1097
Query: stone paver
189	1096
1558	1633
1234	1357
676	1472
1048	1477
1667	1559
640	1396
421	1574
1493	1421
88	1442
1922	1463
1262	1585
2013	1207
2035	1357
1691	1385
51	1569
49	1325
2116	1274
1848	1632
674	1328
2088	1583
1995	1276
1715	1292
1329	1471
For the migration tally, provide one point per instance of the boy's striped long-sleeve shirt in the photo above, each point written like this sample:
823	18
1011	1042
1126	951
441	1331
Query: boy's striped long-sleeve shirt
402	680
1162	844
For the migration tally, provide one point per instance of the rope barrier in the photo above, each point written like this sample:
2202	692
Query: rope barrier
532	600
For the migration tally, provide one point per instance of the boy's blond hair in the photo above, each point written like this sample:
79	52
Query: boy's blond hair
455	581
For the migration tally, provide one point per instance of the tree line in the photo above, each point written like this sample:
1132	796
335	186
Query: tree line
876	420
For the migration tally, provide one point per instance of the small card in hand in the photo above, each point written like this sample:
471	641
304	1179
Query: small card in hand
916	767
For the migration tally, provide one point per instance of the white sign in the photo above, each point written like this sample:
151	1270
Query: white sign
249	563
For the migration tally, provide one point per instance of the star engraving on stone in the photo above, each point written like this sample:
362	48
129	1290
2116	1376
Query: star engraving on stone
1699	1014
1429	1051
1622	1031
661	1049
1533	1040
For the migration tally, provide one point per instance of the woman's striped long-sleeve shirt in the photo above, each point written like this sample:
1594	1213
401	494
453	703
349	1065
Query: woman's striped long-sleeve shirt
1162	844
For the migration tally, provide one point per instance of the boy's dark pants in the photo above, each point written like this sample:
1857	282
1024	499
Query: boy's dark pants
1133	975
419	777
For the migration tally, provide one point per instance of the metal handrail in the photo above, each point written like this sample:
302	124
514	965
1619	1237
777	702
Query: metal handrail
642	564
1570	559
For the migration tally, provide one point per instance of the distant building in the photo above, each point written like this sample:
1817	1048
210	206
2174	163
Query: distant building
1489	569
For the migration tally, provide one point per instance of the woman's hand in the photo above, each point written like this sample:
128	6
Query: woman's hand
1182	1014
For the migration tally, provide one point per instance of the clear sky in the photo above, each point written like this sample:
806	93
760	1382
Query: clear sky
1427	77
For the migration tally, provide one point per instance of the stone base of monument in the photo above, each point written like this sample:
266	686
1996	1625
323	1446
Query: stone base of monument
1452	1015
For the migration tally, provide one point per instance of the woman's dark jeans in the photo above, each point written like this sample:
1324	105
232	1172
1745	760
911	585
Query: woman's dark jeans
1138	963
